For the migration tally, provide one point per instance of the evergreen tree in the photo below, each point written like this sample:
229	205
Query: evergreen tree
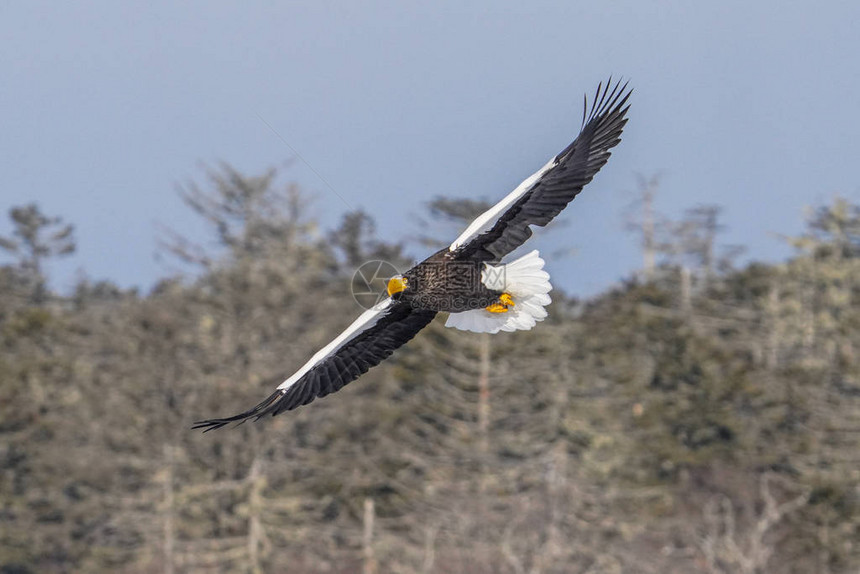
35	239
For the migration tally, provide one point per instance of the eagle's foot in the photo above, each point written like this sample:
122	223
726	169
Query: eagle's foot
505	301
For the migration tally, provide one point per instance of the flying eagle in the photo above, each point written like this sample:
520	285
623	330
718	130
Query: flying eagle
466	279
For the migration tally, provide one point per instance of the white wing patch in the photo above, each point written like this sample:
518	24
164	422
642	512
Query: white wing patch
486	220
364	322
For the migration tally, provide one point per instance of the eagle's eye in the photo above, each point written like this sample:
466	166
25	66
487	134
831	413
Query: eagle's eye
396	285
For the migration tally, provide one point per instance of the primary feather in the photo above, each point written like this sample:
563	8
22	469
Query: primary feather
364	344
547	192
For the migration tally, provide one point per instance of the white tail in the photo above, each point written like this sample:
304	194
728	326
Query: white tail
526	282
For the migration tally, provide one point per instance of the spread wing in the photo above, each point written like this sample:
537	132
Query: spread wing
542	196
367	342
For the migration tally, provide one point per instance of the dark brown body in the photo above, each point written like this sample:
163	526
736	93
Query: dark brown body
442	282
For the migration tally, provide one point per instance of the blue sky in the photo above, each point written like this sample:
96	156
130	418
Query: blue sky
106	107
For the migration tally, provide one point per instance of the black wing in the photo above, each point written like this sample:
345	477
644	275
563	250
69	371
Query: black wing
546	193
369	346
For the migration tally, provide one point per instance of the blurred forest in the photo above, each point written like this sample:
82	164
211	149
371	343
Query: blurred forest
701	416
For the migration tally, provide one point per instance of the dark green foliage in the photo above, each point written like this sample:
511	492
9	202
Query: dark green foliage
655	428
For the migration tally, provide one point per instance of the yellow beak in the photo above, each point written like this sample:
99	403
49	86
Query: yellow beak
396	285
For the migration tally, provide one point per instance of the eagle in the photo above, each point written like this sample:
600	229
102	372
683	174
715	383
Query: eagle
467	279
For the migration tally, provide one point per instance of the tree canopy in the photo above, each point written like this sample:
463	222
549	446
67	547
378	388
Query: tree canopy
699	417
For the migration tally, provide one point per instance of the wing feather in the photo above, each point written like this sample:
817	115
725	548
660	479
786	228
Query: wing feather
544	194
363	345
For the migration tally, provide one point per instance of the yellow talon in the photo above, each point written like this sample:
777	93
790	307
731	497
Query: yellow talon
505	301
